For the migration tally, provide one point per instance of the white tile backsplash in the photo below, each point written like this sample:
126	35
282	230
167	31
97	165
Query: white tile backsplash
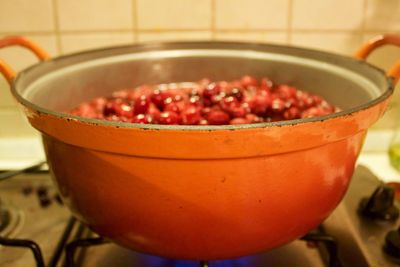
280	37
174	35
79	42
328	14
342	43
95	14
382	15
26	15
173	14
251	14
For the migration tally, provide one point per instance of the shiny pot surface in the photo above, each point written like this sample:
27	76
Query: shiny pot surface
206	192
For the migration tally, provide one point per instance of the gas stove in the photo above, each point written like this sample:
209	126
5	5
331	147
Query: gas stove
36	229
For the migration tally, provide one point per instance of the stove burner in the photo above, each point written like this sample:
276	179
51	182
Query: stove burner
392	244
10	221
327	244
380	205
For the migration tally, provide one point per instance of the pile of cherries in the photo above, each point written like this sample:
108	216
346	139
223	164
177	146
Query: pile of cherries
242	101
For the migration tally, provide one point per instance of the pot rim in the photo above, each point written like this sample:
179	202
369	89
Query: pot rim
152	46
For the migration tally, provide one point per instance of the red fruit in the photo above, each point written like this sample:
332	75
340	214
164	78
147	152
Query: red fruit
229	103
291	102
124	94
211	90
248	81
218	117
313	112
260	104
141	105
286	92
98	103
237	93
158	97
306	100
205	111
238	121
154	112
278	105
85	110
252	118
124	109
110	107
195	100
292	113
168	117
266	84
225	102
191	116
143	119
176	107
203	122
216	99
238	112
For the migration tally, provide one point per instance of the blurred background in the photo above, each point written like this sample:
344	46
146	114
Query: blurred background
67	26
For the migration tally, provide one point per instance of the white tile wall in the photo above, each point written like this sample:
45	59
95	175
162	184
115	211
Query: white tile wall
382	15
26	16
173	14
75	42
328	14
280	37
174	35
66	26
343	43
251	14
95	14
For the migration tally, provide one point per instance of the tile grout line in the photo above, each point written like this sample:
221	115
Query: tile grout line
57	27
364	20
213	18
289	22
135	21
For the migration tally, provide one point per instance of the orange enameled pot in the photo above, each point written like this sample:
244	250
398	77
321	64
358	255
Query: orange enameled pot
201	192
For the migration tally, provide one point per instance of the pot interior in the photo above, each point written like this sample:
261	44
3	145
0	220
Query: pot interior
62	83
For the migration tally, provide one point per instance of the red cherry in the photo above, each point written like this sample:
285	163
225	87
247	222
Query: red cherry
266	84
238	121
292	113
141	105
158	97
286	92
248	81
238	112
203	122
143	119
176	107
153	111
98	103
218	117
313	112
211	90
278	105
229	103
124	109
252	118
168	117
191	116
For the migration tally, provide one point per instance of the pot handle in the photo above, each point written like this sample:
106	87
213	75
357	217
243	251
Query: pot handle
378	41
5	69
